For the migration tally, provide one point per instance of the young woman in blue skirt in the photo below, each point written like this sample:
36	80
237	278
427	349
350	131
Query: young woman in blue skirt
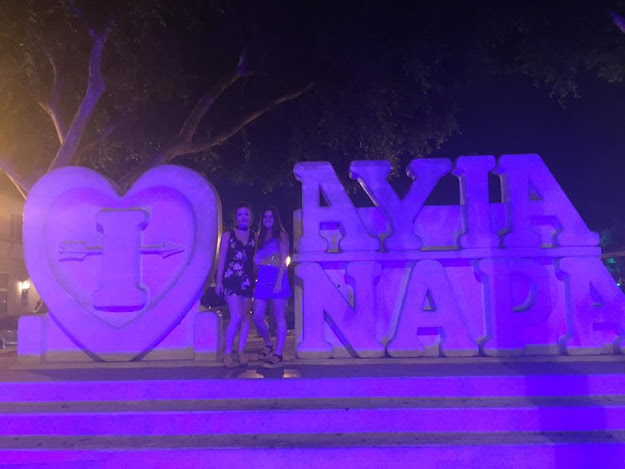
272	284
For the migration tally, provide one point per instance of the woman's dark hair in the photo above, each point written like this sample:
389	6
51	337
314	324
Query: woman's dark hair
236	209
276	229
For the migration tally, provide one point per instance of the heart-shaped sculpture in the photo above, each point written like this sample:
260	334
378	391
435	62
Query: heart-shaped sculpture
119	272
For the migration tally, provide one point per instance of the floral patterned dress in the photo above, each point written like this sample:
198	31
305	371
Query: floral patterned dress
239	269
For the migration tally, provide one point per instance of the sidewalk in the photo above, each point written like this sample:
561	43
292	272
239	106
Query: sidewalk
12	371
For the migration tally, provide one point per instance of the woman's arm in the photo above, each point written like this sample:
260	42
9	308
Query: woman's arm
223	250
284	253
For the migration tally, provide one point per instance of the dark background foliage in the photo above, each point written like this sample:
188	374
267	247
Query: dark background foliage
393	80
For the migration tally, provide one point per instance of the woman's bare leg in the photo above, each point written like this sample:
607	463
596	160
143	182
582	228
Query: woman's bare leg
236	315
260	306
279	309
246	306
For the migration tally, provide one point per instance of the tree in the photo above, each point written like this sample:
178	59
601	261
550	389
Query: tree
122	86
58	57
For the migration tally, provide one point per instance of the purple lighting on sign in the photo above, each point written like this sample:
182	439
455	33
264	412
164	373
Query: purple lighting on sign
522	276
400	279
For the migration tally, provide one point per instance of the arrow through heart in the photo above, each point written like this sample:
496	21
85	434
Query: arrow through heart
78	250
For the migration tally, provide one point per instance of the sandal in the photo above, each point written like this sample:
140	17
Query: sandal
229	361
243	359
266	353
274	361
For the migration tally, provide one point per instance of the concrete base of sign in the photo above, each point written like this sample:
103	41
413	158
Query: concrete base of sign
197	337
538	350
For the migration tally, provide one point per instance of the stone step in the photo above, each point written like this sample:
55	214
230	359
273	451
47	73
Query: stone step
307	388
325	440
285	404
443	415
373	451
336	420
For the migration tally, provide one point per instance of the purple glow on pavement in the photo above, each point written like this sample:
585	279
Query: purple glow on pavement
305	388
519	456
319	421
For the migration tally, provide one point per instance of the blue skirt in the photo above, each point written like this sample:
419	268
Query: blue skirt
265	281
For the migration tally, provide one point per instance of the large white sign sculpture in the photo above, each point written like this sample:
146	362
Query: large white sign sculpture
407	279
120	273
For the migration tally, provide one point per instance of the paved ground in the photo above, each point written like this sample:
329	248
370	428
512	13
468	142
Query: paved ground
408	449
10	370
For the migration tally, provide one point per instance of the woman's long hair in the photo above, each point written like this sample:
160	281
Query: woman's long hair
276	229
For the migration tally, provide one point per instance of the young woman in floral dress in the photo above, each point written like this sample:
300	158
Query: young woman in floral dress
235	274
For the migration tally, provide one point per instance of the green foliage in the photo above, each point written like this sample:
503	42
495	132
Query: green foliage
554	43
613	241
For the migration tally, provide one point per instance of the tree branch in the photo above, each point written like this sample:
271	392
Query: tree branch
228	133
21	184
52	106
618	20
178	147
21	189
184	148
105	133
94	90
201	108
183	143
205	102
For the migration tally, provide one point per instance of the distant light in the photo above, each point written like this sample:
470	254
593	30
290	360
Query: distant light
618	284
288	260
25	285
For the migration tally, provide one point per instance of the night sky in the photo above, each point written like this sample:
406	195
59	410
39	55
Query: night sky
583	144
